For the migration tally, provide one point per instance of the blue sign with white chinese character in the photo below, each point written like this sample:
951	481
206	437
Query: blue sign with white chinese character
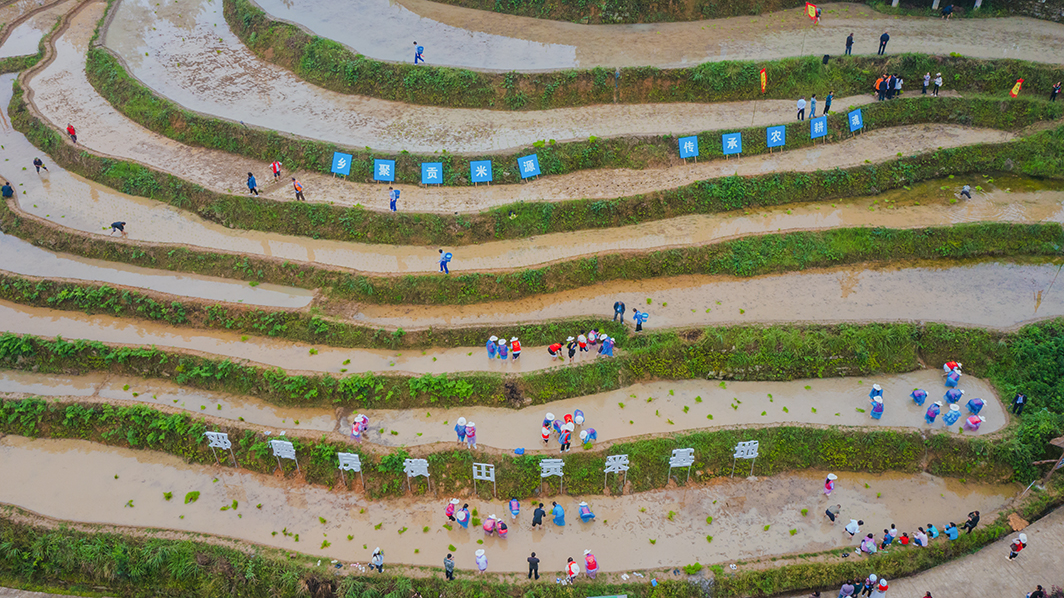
689	147
856	120
480	171
732	143
776	136
384	170
432	173
818	127
341	163
529	166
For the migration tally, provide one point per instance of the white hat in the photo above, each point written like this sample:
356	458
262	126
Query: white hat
579	418
877	387
883	581
550	416
587	552
954	407
939	403
569	427
570	339
583	503
959	364
604	338
513	339
502	341
461	421
583	434
872	578
376	550
455	501
493	338
461	515
832	476
471	425
962	392
878	399
982	419
1023	538
479	552
938	74
492	516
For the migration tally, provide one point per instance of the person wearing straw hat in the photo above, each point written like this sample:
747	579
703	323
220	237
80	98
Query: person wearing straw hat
566	437
515	507
877	408
489	525
482	560
950	366
932	412
877	391
377	560
578	417
950	417
972	423
359	425
451	506
459	429
829	484
571	570
881	589
471	435
502	349
492	343
938	84
545	434
869	584
588	436
571	347
590	564
515	347
584	511
606	350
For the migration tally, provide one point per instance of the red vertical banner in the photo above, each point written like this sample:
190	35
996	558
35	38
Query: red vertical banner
764	80
1016	88
810	9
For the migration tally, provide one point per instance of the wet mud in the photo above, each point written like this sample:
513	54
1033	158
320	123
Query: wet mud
106	480
988	294
648	408
25	37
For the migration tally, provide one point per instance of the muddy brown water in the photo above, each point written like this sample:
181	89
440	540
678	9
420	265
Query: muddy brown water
990	294
25	37
479	39
107	479
19	257
648	408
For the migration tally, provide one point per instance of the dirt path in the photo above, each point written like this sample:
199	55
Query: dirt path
654	408
988	294
477	39
738	507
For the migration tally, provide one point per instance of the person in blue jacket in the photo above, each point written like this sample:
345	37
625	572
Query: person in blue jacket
419	52
640	318
491	346
559	514
445	259
459	429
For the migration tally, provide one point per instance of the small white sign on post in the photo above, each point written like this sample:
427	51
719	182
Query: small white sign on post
350	462
745	450
552	467
485	472
282	449
615	464
220	440
682	458
414	468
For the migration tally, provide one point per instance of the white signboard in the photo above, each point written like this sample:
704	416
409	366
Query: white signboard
282	449
219	440
414	468
552	467
350	462
485	472
615	464
745	450
682	458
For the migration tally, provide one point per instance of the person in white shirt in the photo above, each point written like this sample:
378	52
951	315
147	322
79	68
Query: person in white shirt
938	84
854	527
801	108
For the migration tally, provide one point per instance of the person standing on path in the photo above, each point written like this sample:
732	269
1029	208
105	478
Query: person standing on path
252	185
640	318
880	87
618	311
846	590
801	116
870	584
883	39
1052	98
537	519
515	348
419	52
891	81
1037	593
898	81
491	345
448	566
833	512
298	187
393	197
565	438
938	84
581	342
533	562
812	106
459	430
449	511
591	564
927	82
827	102
881	589
39	165
1017	545
482	560
502	349
118	227
572	348
973	520
1018	402
73	133
275	166
471	435
849	44
445	260
377	560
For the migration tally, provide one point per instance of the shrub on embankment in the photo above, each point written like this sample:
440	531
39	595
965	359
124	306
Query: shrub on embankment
331	65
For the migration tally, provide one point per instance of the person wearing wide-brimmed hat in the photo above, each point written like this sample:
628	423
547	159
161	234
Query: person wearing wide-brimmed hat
491	346
515	347
590	564
459	429
482	560
451	506
829	484
377	560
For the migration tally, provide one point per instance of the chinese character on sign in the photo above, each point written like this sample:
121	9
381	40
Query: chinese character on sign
732	143
528	166
283	449
433	173
856	121
349	461
818	127
218	440
682	458
341	164
482	171
616	463
776	136
550	467
416	467
384	170
746	450
688	147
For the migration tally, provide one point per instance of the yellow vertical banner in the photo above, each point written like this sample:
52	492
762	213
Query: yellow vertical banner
764	80
810	9
1016	88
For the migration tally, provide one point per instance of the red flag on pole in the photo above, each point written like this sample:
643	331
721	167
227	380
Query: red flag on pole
1016	88
810	9
764	80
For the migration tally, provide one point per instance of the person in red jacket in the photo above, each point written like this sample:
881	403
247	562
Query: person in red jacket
555	351
1017	545
515	347
73	134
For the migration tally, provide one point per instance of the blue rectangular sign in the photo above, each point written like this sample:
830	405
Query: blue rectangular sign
776	136
688	147
480	171
731	143
856	120
432	173
818	127
529	166
341	163
384	170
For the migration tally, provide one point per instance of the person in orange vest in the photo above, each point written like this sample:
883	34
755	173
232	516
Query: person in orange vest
880	87
515	347
299	190
571	571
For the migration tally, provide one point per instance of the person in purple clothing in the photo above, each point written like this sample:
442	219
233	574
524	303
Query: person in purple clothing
491	346
503	349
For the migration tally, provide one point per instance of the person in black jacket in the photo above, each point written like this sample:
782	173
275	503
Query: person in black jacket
883	39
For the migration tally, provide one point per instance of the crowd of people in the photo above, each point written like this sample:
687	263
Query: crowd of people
564	429
952	374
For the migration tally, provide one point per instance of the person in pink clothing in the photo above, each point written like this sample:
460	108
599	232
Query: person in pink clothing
829	484
471	435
